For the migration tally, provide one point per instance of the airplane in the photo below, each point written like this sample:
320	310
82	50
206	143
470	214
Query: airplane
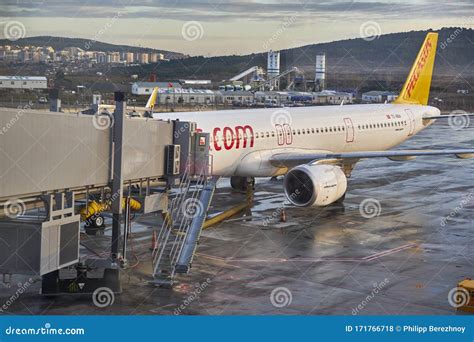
316	148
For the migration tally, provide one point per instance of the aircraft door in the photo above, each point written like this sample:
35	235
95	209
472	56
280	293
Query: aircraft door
349	130
203	162
411	121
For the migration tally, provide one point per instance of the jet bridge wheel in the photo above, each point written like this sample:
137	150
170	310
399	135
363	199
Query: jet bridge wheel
94	225
240	183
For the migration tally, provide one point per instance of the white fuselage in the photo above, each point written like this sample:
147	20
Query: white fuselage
242	141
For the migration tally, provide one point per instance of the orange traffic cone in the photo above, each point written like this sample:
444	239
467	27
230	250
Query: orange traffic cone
283	215
154	242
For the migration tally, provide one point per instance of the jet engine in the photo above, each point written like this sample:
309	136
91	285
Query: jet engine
314	185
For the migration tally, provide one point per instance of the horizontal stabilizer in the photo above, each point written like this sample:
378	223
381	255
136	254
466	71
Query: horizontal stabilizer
450	116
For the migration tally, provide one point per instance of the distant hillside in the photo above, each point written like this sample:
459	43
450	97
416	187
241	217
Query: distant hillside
61	43
388	54
352	64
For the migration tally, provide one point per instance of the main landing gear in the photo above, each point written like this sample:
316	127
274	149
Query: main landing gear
241	183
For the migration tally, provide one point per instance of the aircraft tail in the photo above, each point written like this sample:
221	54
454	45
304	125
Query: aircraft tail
416	89
152	100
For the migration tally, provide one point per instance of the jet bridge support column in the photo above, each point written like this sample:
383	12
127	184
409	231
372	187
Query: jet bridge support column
117	178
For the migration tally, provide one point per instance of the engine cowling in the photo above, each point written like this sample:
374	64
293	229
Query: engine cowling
314	185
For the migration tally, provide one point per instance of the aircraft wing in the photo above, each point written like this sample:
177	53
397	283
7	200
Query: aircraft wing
293	159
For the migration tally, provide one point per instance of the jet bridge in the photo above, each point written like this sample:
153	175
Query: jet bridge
51	160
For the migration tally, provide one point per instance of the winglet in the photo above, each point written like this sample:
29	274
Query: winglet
152	100
417	86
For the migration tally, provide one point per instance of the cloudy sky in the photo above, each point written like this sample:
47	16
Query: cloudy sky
218	27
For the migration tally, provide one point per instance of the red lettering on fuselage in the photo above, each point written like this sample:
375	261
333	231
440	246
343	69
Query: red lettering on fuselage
214	137
231	137
247	132
228	134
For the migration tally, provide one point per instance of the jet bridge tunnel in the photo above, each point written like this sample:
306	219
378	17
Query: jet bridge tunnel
51	163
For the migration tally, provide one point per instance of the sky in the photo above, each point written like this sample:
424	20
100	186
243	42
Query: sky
217	27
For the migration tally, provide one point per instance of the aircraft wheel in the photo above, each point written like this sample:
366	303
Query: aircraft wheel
240	183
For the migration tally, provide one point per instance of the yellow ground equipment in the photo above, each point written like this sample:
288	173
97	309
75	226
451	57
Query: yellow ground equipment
234	210
91	213
465	295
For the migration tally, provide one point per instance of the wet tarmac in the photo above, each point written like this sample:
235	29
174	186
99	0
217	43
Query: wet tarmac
388	249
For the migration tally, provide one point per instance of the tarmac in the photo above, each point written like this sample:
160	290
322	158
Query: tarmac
402	239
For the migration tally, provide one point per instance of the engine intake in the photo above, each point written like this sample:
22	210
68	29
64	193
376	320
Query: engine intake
314	185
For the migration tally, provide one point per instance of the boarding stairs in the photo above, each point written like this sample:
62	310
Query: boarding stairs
179	234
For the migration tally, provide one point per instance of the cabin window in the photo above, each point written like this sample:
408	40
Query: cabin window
268	135
299	131
273	134
312	130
